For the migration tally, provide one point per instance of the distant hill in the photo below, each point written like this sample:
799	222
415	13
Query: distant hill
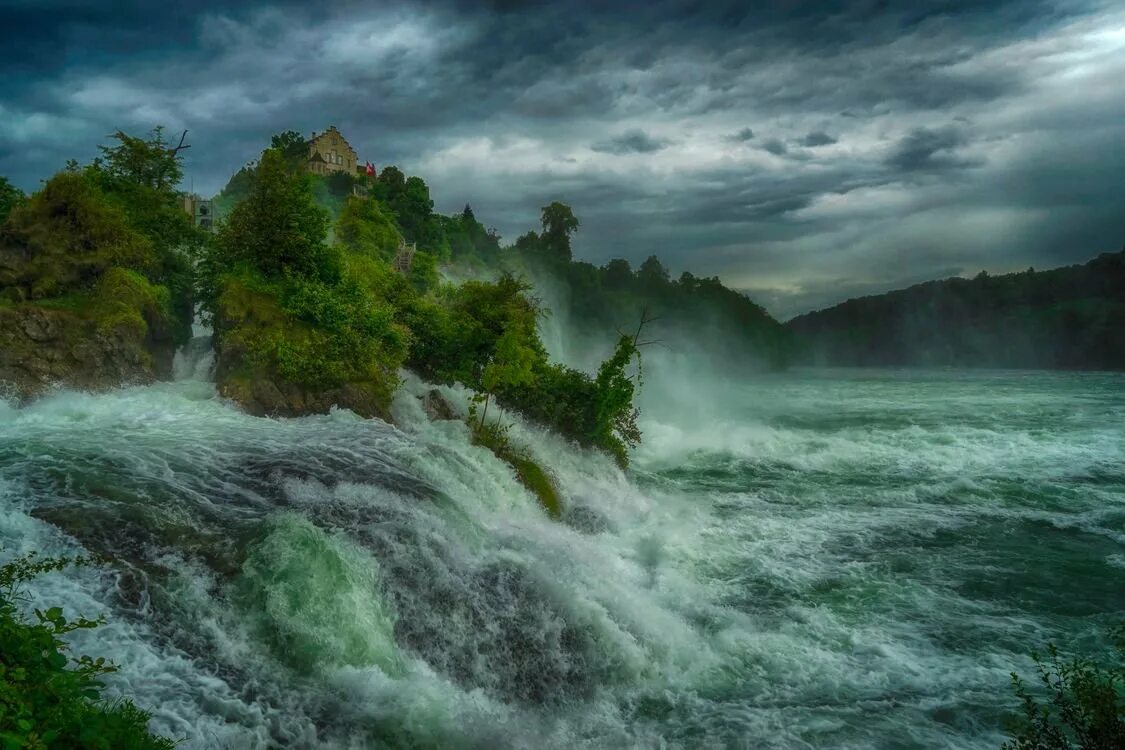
1065	318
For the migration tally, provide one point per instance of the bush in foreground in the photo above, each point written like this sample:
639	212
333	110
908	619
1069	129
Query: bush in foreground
1084	705
47	698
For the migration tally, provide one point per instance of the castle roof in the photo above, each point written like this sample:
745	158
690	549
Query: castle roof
333	131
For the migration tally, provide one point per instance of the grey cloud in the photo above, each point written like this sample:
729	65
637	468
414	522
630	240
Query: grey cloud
632	142
742	136
818	138
775	146
928	149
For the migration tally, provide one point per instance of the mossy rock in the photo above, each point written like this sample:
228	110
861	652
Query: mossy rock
274	364
118	333
535	479
530	474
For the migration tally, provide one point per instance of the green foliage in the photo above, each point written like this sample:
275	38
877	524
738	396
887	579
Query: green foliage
277	228
1068	318
596	412
457	338
288	306
10	197
140	176
292	147
147	162
424	272
65	237
124	299
494	436
47	698
559	222
600	300
1084	707
120	212
340	184
365	227
485	336
408	200
311	333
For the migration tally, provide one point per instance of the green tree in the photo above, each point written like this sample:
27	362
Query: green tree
11	196
144	161
511	365
365	227
65	237
653	274
615	423
618	274
140	176
293	147
559	223
277	228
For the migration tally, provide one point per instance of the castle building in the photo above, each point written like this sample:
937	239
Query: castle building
329	152
199	209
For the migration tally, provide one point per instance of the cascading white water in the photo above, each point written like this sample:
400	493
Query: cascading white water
815	560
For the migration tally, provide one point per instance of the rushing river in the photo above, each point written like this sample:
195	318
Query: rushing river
814	559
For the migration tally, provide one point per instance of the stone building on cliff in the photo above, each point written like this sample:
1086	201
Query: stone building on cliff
330	152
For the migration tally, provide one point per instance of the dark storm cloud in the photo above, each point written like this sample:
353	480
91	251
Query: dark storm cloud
775	146
633	142
965	134
926	149
818	138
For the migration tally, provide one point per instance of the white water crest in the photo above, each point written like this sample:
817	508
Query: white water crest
813	559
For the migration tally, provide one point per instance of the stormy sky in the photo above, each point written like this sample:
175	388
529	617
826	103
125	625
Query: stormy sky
804	152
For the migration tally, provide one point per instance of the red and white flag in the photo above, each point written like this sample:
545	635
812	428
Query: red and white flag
370	169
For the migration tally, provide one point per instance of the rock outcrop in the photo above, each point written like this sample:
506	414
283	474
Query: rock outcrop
263	396
255	343
42	348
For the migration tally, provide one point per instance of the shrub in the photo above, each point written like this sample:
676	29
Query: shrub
485	336
10	197
65	236
125	299
48	699
365	228
1084	707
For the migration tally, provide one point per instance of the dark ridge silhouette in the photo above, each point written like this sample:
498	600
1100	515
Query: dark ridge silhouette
1065	318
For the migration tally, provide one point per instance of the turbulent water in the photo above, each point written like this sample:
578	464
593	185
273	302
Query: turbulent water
814	559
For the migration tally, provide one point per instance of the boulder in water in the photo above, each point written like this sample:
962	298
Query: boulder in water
275	397
436	406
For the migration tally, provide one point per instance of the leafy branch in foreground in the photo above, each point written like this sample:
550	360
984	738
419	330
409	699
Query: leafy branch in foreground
44	702
1084	707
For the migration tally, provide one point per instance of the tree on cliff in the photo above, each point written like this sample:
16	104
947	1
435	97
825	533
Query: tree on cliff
559	222
292	147
11	196
277	228
140	176
143	161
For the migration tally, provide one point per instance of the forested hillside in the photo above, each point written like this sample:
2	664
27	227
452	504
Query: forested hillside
597	302
1065	318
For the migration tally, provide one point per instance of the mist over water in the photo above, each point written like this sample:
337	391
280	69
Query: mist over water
849	558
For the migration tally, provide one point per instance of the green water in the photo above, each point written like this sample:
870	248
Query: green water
816	559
